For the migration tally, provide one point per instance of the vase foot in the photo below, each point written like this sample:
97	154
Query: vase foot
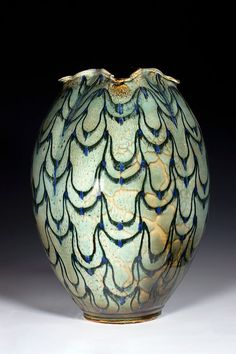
123	320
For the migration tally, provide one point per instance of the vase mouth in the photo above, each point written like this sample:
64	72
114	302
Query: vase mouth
135	75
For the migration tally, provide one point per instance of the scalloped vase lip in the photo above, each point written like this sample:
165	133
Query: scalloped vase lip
136	74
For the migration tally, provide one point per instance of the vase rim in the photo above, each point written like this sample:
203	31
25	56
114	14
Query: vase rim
137	73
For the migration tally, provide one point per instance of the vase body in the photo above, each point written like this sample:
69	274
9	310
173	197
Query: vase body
120	187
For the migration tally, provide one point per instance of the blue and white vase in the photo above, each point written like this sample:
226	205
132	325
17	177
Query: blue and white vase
121	189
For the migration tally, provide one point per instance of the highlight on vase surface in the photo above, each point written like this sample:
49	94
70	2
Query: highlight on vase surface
120	189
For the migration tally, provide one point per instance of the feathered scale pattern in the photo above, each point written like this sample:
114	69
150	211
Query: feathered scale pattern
120	193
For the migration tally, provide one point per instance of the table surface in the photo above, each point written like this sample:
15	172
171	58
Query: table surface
38	317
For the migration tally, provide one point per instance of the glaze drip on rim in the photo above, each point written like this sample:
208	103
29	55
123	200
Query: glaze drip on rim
104	72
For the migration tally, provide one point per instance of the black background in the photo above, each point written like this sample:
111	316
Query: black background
38	46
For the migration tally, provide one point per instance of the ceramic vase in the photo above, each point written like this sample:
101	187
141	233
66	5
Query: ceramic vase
120	191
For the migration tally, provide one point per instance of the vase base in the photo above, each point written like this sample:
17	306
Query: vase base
123	320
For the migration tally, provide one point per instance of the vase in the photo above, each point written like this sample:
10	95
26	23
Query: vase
120	191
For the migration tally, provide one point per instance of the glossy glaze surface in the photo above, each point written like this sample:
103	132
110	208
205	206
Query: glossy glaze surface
121	188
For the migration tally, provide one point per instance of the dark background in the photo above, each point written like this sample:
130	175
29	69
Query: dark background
39	46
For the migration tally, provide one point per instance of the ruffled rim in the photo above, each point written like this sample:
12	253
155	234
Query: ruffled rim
93	72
